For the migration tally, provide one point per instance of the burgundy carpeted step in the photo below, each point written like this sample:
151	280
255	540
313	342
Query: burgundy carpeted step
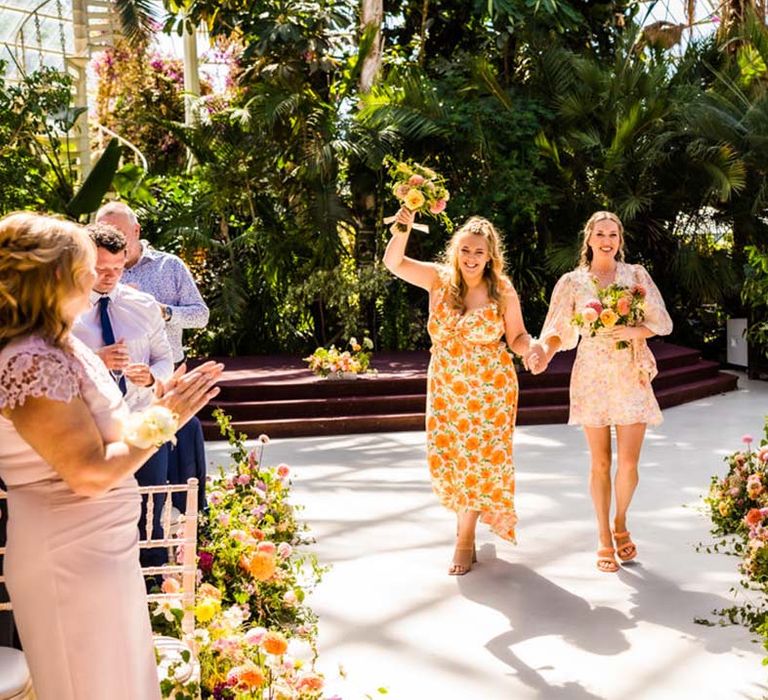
319	408
683	393
278	396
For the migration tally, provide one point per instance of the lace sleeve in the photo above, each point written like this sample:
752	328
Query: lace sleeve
38	374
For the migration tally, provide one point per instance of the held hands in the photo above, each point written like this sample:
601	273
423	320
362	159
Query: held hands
185	393
115	356
535	360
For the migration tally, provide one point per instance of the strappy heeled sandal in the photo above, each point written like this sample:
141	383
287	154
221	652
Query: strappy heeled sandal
605	556
628	545
462	561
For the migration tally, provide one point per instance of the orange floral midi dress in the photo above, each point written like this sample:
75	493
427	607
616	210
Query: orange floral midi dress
471	408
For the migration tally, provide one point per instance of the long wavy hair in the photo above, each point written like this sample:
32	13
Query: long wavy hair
585	254
493	274
43	261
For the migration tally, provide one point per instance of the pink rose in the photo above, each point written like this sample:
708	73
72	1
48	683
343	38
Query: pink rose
170	585
283	470
289	597
238	535
255	635
224	519
267	547
415	180
284	550
762	455
638	290
623	306
438	207
243	479
589	315
401	191
596	305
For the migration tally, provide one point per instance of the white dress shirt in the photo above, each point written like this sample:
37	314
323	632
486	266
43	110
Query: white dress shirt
136	319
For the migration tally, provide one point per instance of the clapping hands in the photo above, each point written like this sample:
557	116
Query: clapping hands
185	393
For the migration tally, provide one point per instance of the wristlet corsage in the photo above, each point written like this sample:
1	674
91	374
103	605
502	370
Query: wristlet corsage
153	427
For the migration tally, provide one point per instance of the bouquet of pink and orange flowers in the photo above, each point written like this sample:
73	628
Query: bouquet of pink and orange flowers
419	189
614	305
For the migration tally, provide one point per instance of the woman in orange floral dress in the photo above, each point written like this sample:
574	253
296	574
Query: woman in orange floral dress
472	385
610	386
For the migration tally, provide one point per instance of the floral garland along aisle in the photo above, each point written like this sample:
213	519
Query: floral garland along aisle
254	635
737	505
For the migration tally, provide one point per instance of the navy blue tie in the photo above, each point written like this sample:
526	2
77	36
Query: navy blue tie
108	335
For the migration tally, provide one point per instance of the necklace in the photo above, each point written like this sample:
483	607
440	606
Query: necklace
604	276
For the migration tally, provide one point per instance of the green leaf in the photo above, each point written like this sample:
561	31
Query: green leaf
89	196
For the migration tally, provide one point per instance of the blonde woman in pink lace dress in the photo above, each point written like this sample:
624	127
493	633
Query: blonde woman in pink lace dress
609	386
72	563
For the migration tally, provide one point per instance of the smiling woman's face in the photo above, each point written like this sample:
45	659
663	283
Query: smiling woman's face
605	239
472	251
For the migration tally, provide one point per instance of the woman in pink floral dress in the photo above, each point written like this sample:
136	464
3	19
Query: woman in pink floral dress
72	563
472	385
610	386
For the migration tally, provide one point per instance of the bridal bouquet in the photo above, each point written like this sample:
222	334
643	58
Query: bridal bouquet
419	189
614	305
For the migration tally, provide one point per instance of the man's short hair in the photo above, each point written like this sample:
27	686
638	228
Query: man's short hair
107	237
117	208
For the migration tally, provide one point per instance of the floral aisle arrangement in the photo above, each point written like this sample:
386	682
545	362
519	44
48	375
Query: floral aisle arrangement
419	189
255	636
737	505
325	362
614	305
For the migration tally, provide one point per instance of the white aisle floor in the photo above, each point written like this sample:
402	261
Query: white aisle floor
536	620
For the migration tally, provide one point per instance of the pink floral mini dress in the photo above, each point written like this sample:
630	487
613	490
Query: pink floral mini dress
609	386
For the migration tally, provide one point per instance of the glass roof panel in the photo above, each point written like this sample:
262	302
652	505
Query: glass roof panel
35	32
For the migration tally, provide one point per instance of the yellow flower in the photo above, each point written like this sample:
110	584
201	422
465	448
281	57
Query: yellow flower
206	609
414	200
725	508
609	318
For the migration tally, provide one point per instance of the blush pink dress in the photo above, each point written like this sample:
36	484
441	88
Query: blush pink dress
72	563
609	386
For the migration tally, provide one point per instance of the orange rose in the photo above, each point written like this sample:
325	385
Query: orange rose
506	359
274	643
470	481
262	566
310	681
500	380
472	443
463	425
439	403
442	441
487	375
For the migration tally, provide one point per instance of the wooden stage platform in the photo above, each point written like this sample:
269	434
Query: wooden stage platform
279	396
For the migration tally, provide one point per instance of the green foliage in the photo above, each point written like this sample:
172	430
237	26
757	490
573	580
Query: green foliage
754	294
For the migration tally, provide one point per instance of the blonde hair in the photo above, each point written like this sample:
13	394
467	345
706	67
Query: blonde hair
43	260
585	254
497	282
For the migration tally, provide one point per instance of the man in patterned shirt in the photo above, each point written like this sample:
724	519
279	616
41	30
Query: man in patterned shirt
168	279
